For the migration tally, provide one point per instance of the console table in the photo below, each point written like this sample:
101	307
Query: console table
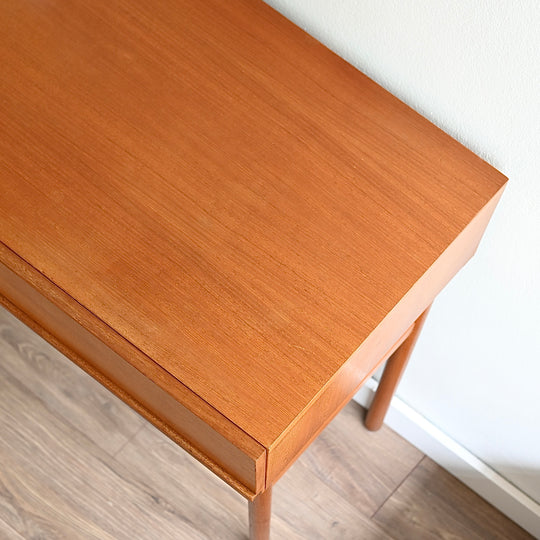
220	220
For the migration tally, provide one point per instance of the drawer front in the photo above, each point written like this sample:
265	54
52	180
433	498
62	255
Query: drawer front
155	394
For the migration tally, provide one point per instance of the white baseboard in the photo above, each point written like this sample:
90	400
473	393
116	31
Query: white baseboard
458	461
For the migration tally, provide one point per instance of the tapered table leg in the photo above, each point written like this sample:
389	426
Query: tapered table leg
395	366
260	511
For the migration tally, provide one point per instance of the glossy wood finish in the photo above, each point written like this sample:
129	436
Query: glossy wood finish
237	222
393	371
260	512
225	211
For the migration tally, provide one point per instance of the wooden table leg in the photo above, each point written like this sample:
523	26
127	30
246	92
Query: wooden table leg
260	511
395	366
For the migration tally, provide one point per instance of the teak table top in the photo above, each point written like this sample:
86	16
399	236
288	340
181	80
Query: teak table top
210	186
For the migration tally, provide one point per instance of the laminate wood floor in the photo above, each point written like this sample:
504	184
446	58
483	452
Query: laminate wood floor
76	463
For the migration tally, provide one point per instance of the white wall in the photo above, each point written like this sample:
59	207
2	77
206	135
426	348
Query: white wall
472	68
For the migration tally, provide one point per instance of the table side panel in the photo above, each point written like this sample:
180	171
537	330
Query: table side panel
243	469
312	422
376	348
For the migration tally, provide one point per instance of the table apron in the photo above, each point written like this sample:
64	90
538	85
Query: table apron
244	471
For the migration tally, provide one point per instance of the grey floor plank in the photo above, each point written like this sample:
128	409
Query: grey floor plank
303	506
311	510
362	466
216	509
55	483
7	533
433	504
64	388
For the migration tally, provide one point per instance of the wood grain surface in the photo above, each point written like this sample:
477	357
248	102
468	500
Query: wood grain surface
59	478
214	187
363	470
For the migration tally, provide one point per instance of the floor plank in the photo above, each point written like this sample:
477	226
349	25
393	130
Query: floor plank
362	466
205	500
303	506
65	389
310	510
55	483
7	533
433	504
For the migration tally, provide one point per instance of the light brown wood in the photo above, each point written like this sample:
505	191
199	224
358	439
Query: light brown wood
218	218
393	371
7	532
260	512
362	468
376	348
327	405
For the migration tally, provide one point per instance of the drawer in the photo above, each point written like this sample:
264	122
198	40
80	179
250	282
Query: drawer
146	387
